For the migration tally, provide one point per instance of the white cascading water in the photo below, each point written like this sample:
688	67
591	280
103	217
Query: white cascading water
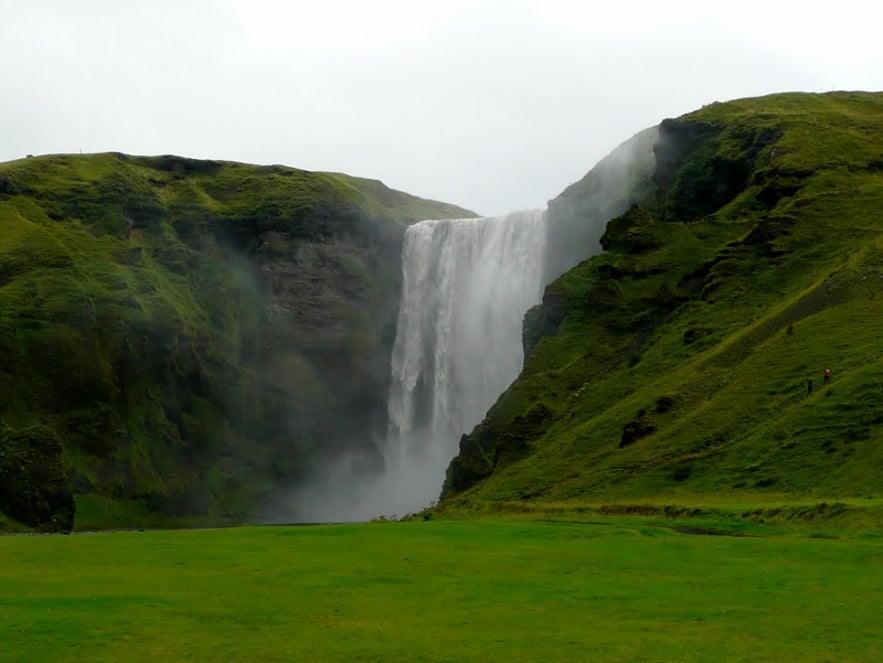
467	284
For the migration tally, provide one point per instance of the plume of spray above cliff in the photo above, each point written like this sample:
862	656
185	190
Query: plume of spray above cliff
578	216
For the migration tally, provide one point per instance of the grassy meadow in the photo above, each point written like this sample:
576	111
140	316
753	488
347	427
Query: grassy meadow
609	588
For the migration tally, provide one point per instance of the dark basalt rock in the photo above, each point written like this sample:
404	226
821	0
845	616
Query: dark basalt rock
6	185
634	431
544	319
695	175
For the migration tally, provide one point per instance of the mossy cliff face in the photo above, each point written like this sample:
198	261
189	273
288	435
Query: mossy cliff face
195	332
675	364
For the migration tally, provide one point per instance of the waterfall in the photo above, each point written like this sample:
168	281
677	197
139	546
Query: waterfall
467	284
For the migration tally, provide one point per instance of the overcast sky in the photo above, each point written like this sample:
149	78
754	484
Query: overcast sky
494	105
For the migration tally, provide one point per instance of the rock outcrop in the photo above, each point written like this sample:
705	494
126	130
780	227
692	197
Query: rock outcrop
33	483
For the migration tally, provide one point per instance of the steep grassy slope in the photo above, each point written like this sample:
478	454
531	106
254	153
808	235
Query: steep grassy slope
679	370
194	331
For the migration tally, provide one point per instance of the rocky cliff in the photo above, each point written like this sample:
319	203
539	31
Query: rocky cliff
195	333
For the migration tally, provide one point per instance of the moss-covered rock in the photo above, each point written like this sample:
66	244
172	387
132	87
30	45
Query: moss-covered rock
33	484
635	231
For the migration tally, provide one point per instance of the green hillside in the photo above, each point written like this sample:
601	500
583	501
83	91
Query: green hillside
180	338
673	368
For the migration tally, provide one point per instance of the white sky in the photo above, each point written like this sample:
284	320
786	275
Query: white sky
494	105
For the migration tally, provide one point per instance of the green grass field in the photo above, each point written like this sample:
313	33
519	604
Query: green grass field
491	590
